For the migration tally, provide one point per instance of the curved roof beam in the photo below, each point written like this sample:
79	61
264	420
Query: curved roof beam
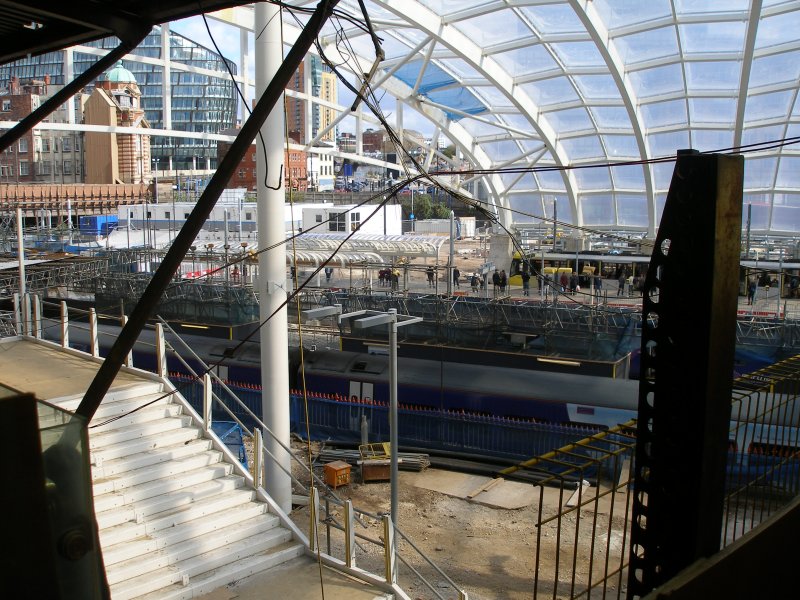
448	36
587	13
747	64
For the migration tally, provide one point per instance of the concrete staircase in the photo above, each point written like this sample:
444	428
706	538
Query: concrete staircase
176	520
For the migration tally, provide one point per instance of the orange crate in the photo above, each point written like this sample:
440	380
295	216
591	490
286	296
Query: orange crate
337	473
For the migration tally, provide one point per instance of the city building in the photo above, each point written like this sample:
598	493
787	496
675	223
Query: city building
116	157
347	142
295	167
199	102
41	155
315	76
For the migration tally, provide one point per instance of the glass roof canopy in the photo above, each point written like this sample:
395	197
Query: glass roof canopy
543	85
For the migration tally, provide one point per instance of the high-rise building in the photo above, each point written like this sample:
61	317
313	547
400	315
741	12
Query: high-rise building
324	87
200	102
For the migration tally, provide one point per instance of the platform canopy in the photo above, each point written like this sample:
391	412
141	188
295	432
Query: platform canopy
560	87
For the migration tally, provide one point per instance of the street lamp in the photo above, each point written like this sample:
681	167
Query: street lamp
375	319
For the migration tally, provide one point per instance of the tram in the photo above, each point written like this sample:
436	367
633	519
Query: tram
586	264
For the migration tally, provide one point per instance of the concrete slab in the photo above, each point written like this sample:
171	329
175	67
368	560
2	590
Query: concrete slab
49	372
299	579
476	488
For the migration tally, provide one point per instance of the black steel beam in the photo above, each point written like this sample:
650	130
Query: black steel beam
688	342
183	241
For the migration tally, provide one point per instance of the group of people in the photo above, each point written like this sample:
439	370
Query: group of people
499	282
389	277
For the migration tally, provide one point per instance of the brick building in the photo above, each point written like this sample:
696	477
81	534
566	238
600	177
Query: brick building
295	170
40	155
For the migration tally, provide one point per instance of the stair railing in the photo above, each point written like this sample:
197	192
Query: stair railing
354	521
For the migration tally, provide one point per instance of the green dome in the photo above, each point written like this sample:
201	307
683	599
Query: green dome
120	74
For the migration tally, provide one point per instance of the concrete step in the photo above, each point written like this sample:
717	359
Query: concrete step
158	471
153	552
145	444
204	574
103	469
155	412
163	486
114	511
104	439
121	393
181	525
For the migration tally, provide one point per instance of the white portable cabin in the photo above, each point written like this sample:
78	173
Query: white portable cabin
367	218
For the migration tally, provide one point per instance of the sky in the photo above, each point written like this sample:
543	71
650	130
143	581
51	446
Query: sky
227	38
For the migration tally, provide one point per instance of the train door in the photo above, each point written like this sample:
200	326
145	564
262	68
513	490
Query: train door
361	390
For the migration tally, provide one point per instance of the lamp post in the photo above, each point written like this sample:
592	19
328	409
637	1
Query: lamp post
413	229
391	318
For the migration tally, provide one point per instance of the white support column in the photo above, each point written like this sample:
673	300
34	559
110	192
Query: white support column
313	519
161	351
272	265
349	534
208	393
128	359
245	59
26	314
258	460
21	257
95	349
308	90
389	554
69	75
18	319
37	316
64	325
166	78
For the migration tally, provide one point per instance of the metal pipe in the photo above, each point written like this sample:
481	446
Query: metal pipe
172	260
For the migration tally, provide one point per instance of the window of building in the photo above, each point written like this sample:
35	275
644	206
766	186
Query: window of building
66	144
44	167
24	168
241	174
248	216
337	222
6	105
77	167
355	221
319	218
23	145
149	215
186	215
166	214
67	167
45	144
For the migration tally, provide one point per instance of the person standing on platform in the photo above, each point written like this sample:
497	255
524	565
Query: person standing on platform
598	285
328	274
496	283
503	282
456	275
621	280
429	272
751	289
474	282
526	283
